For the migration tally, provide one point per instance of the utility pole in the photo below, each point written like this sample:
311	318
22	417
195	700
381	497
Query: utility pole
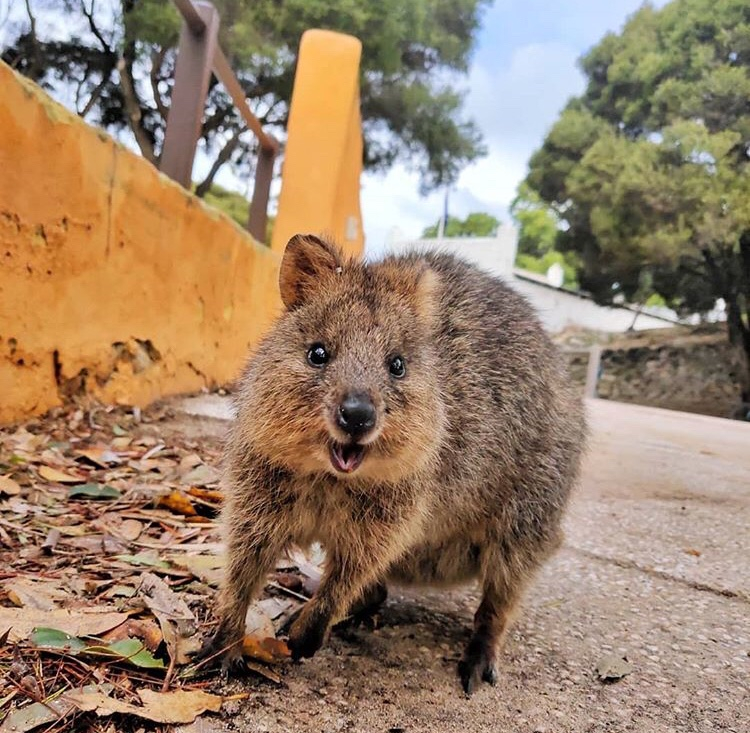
443	223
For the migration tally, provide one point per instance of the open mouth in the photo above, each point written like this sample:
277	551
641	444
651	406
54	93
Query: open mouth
347	458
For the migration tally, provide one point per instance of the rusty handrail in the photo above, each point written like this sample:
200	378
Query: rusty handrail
199	55
226	76
191	16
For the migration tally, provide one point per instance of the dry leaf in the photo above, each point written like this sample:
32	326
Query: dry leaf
201	476
208	568
88	622
211	495
177	502
613	667
191	460
40	713
258	623
269	649
201	725
52	474
101	457
144	629
176	620
129	529
180	706
9	487
27	593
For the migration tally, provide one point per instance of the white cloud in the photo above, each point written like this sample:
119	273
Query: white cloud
513	106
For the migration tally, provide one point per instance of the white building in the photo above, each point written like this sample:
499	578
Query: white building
558	307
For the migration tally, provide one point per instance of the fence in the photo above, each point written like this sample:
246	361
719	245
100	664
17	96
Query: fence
198	55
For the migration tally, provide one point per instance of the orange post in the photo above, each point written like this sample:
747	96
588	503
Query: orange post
323	156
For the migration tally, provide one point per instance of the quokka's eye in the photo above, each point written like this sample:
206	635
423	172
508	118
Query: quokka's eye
397	367
317	355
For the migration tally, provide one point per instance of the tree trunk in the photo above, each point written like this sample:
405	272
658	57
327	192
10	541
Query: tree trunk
224	154
134	112
732	286
739	336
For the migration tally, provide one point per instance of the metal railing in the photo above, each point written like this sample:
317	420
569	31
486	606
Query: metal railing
199	55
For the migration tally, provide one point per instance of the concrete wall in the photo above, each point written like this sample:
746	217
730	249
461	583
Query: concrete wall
496	255
558	308
114	281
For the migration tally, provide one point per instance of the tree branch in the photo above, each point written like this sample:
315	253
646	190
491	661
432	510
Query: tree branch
216	119
35	65
224	155
135	112
100	87
745	259
695	271
157	59
89	14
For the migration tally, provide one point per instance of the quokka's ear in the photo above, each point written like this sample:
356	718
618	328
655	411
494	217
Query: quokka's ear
306	259
417	284
427	296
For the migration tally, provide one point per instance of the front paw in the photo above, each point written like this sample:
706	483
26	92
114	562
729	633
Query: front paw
308	632
218	650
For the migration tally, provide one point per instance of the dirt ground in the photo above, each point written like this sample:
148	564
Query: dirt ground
656	568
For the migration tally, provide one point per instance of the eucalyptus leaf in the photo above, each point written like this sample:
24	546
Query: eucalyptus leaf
94	491
46	638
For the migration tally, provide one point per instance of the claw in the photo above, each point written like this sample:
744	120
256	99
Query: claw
478	665
216	648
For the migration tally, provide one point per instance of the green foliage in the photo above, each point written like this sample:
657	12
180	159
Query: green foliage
116	63
235	206
648	172
537	223
541	264
655	300
477	224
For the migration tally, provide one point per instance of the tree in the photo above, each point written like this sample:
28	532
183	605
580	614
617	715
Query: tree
537	223
115	67
538	228
477	224
648	170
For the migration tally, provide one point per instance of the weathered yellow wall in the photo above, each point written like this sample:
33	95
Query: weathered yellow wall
323	155
111	276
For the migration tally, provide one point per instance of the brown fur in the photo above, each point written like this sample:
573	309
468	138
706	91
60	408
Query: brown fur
466	473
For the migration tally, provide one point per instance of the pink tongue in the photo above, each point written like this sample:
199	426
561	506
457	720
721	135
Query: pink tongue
347	460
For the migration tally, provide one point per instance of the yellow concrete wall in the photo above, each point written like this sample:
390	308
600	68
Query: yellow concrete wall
323	155
112	278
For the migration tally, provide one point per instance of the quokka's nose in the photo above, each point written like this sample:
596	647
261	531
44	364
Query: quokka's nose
356	414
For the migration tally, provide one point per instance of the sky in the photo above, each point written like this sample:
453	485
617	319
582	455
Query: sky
522	74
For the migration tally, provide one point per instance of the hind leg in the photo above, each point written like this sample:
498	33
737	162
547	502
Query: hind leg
366	607
491	621
369	602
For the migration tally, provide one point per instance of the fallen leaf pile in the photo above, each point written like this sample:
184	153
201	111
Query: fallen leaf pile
110	557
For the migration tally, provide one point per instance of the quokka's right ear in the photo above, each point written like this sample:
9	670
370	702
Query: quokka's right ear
306	259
